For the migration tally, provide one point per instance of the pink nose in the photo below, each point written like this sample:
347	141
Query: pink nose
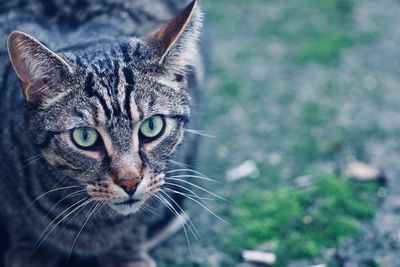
129	184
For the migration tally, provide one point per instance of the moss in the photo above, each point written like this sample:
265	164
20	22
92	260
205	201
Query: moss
297	223
302	222
314	113
324	49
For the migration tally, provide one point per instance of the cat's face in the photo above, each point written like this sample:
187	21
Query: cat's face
111	115
117	126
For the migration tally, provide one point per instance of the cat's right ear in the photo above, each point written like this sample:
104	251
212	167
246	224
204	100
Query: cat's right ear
176	41
36	66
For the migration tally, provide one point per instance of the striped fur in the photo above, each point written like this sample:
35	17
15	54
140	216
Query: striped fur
102	74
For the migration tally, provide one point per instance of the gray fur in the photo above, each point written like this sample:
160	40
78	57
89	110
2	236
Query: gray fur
101	75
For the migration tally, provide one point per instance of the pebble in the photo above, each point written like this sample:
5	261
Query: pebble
259	257
246	169
364	172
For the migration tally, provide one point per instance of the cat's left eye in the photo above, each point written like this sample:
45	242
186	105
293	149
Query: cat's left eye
152	127
84	137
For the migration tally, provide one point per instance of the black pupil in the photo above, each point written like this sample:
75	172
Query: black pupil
84	134
151	124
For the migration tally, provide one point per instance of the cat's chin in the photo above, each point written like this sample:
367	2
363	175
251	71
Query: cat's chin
128	208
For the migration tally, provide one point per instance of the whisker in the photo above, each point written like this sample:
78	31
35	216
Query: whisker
183	222
48	192
172	209
201	175
191	226
198	132
49	231
195	176
83	226
187	170
76	214
188	190
180	164
150	209
197	186
34	157
185	194
32	160
70	195
208	209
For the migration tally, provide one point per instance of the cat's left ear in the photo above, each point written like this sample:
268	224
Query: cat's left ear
176	41
36	66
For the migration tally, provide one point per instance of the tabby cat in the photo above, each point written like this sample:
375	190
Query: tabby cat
86	145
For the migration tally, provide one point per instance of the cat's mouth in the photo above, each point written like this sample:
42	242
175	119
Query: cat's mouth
127	206
117	197
129	201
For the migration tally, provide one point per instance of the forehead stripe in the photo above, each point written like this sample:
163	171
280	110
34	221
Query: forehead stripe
137	50
90	92
112	89
125	53
130	82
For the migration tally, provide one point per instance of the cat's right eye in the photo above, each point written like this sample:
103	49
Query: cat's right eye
85	138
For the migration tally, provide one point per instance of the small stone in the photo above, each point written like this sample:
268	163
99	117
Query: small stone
246	169
364	172
274	158
259	257
307	219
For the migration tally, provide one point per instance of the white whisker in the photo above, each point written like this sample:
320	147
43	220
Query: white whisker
83	226
48	192
198	132
70	195
172	209
185	194
183	165
150	209
188	190
197	186
195	176
208	209
191	226
32	160
49	231
187	170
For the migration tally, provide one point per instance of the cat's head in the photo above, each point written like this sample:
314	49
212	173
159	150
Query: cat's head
110	115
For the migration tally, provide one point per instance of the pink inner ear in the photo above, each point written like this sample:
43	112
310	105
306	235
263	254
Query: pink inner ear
20	67
164	38
30	87
35	66
33	91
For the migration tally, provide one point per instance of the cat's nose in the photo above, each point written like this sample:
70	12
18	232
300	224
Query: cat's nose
128	184
127	177
126	173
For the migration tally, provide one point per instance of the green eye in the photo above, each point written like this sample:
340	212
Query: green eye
85	137
152	127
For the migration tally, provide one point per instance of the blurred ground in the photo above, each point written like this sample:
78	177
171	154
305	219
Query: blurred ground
299	88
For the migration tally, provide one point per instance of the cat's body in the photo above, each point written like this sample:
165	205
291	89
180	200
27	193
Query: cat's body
93	37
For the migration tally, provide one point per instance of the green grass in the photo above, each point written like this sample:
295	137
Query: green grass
301	223
314	113
325	48
258	105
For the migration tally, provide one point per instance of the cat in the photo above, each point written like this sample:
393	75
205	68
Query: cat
95	97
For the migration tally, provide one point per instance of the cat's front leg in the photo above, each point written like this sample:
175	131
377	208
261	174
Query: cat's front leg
23	257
